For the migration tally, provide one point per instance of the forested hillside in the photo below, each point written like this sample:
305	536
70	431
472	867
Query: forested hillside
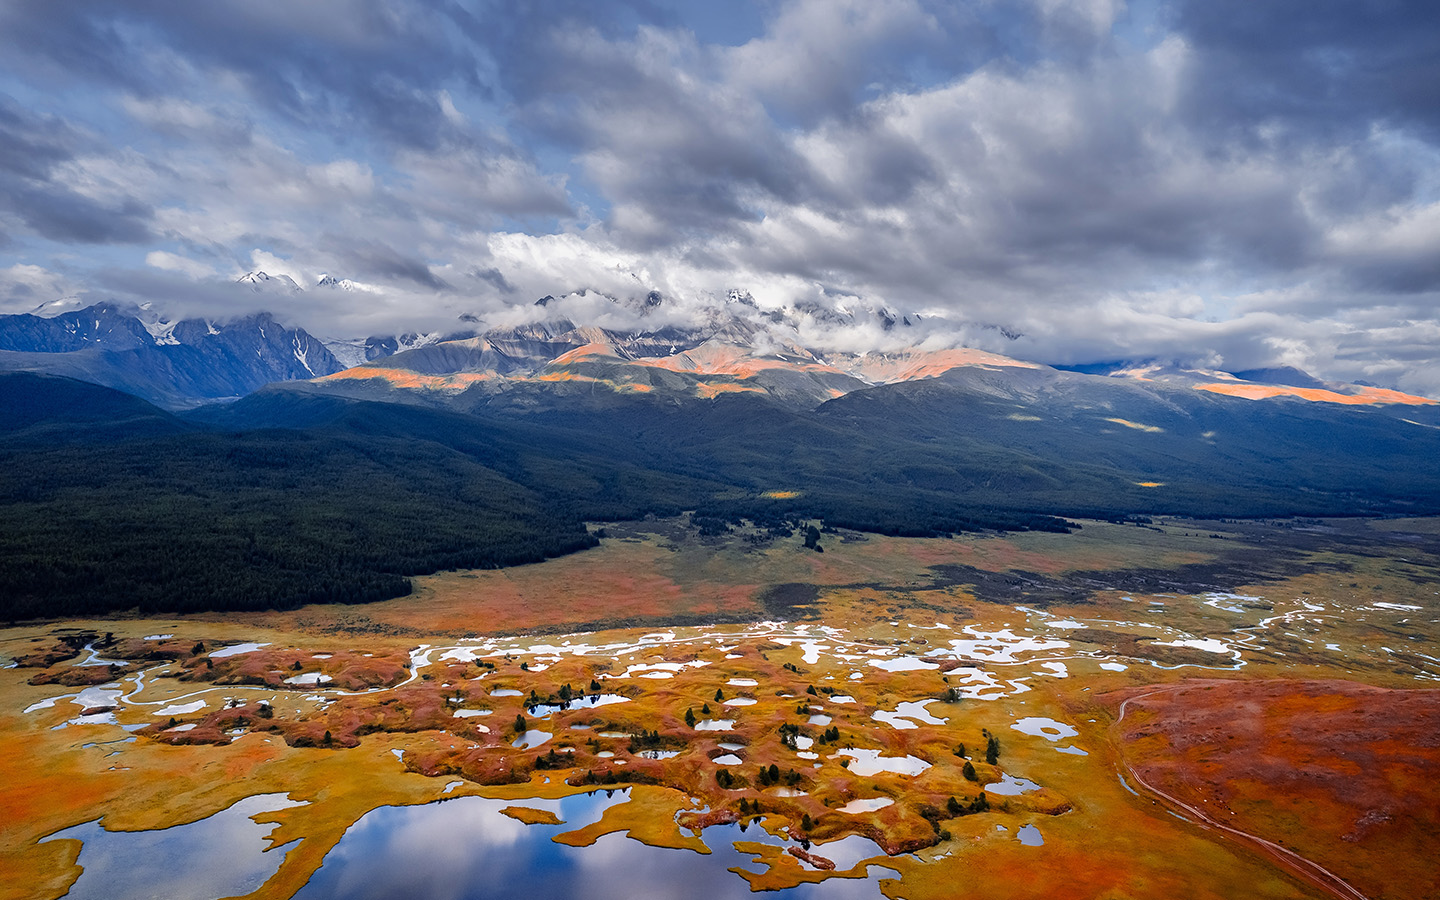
287	498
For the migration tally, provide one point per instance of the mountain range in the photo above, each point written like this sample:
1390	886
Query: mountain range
176	364
786	355
497	446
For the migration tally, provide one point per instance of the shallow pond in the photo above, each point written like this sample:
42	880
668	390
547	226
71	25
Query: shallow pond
869	804
1011	786
221	856
181	709
1040	726
905	712
236	649
531	738
903	664
589	701
1030	836
870	762
457	849
309	678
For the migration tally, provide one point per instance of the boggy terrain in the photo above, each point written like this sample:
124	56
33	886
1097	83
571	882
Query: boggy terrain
1035	715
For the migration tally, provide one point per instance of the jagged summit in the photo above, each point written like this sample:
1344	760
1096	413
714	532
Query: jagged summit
263	283
330	282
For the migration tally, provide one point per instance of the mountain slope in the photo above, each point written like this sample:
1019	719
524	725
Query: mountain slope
1165	449
45	410
290	496
342	509
172	364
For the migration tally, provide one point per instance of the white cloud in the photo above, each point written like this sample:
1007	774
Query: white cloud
270	264
346	176
172	262
168	113
23	287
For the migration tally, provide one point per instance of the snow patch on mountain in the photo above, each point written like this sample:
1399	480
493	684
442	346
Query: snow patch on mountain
160	328
302	353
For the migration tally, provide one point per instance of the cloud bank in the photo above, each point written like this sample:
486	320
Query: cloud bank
1208	182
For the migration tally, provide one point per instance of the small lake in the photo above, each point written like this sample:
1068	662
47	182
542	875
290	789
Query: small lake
219	856
531	738
589	701
1011	786
1049	729
1030	836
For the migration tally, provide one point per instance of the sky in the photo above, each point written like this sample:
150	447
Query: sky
1209	183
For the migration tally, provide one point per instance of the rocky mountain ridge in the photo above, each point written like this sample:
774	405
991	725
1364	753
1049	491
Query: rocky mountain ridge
581	344
175	364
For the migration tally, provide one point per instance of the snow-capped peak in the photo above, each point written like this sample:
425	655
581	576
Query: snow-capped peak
262	283
338	284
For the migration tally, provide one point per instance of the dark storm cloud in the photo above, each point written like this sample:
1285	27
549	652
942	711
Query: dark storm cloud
1324	67
494	278
31	145
33	190
65	216
1358	83
517	36
1416	271
326	62
373	258
676	156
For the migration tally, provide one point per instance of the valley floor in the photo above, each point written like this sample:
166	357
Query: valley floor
1200	709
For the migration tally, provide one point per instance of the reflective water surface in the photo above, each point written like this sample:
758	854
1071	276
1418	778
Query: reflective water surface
221	856
465	849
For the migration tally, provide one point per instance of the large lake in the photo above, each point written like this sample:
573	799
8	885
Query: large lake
465	849
457	849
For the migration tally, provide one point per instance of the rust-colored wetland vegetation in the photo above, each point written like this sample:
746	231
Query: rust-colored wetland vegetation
1174	709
